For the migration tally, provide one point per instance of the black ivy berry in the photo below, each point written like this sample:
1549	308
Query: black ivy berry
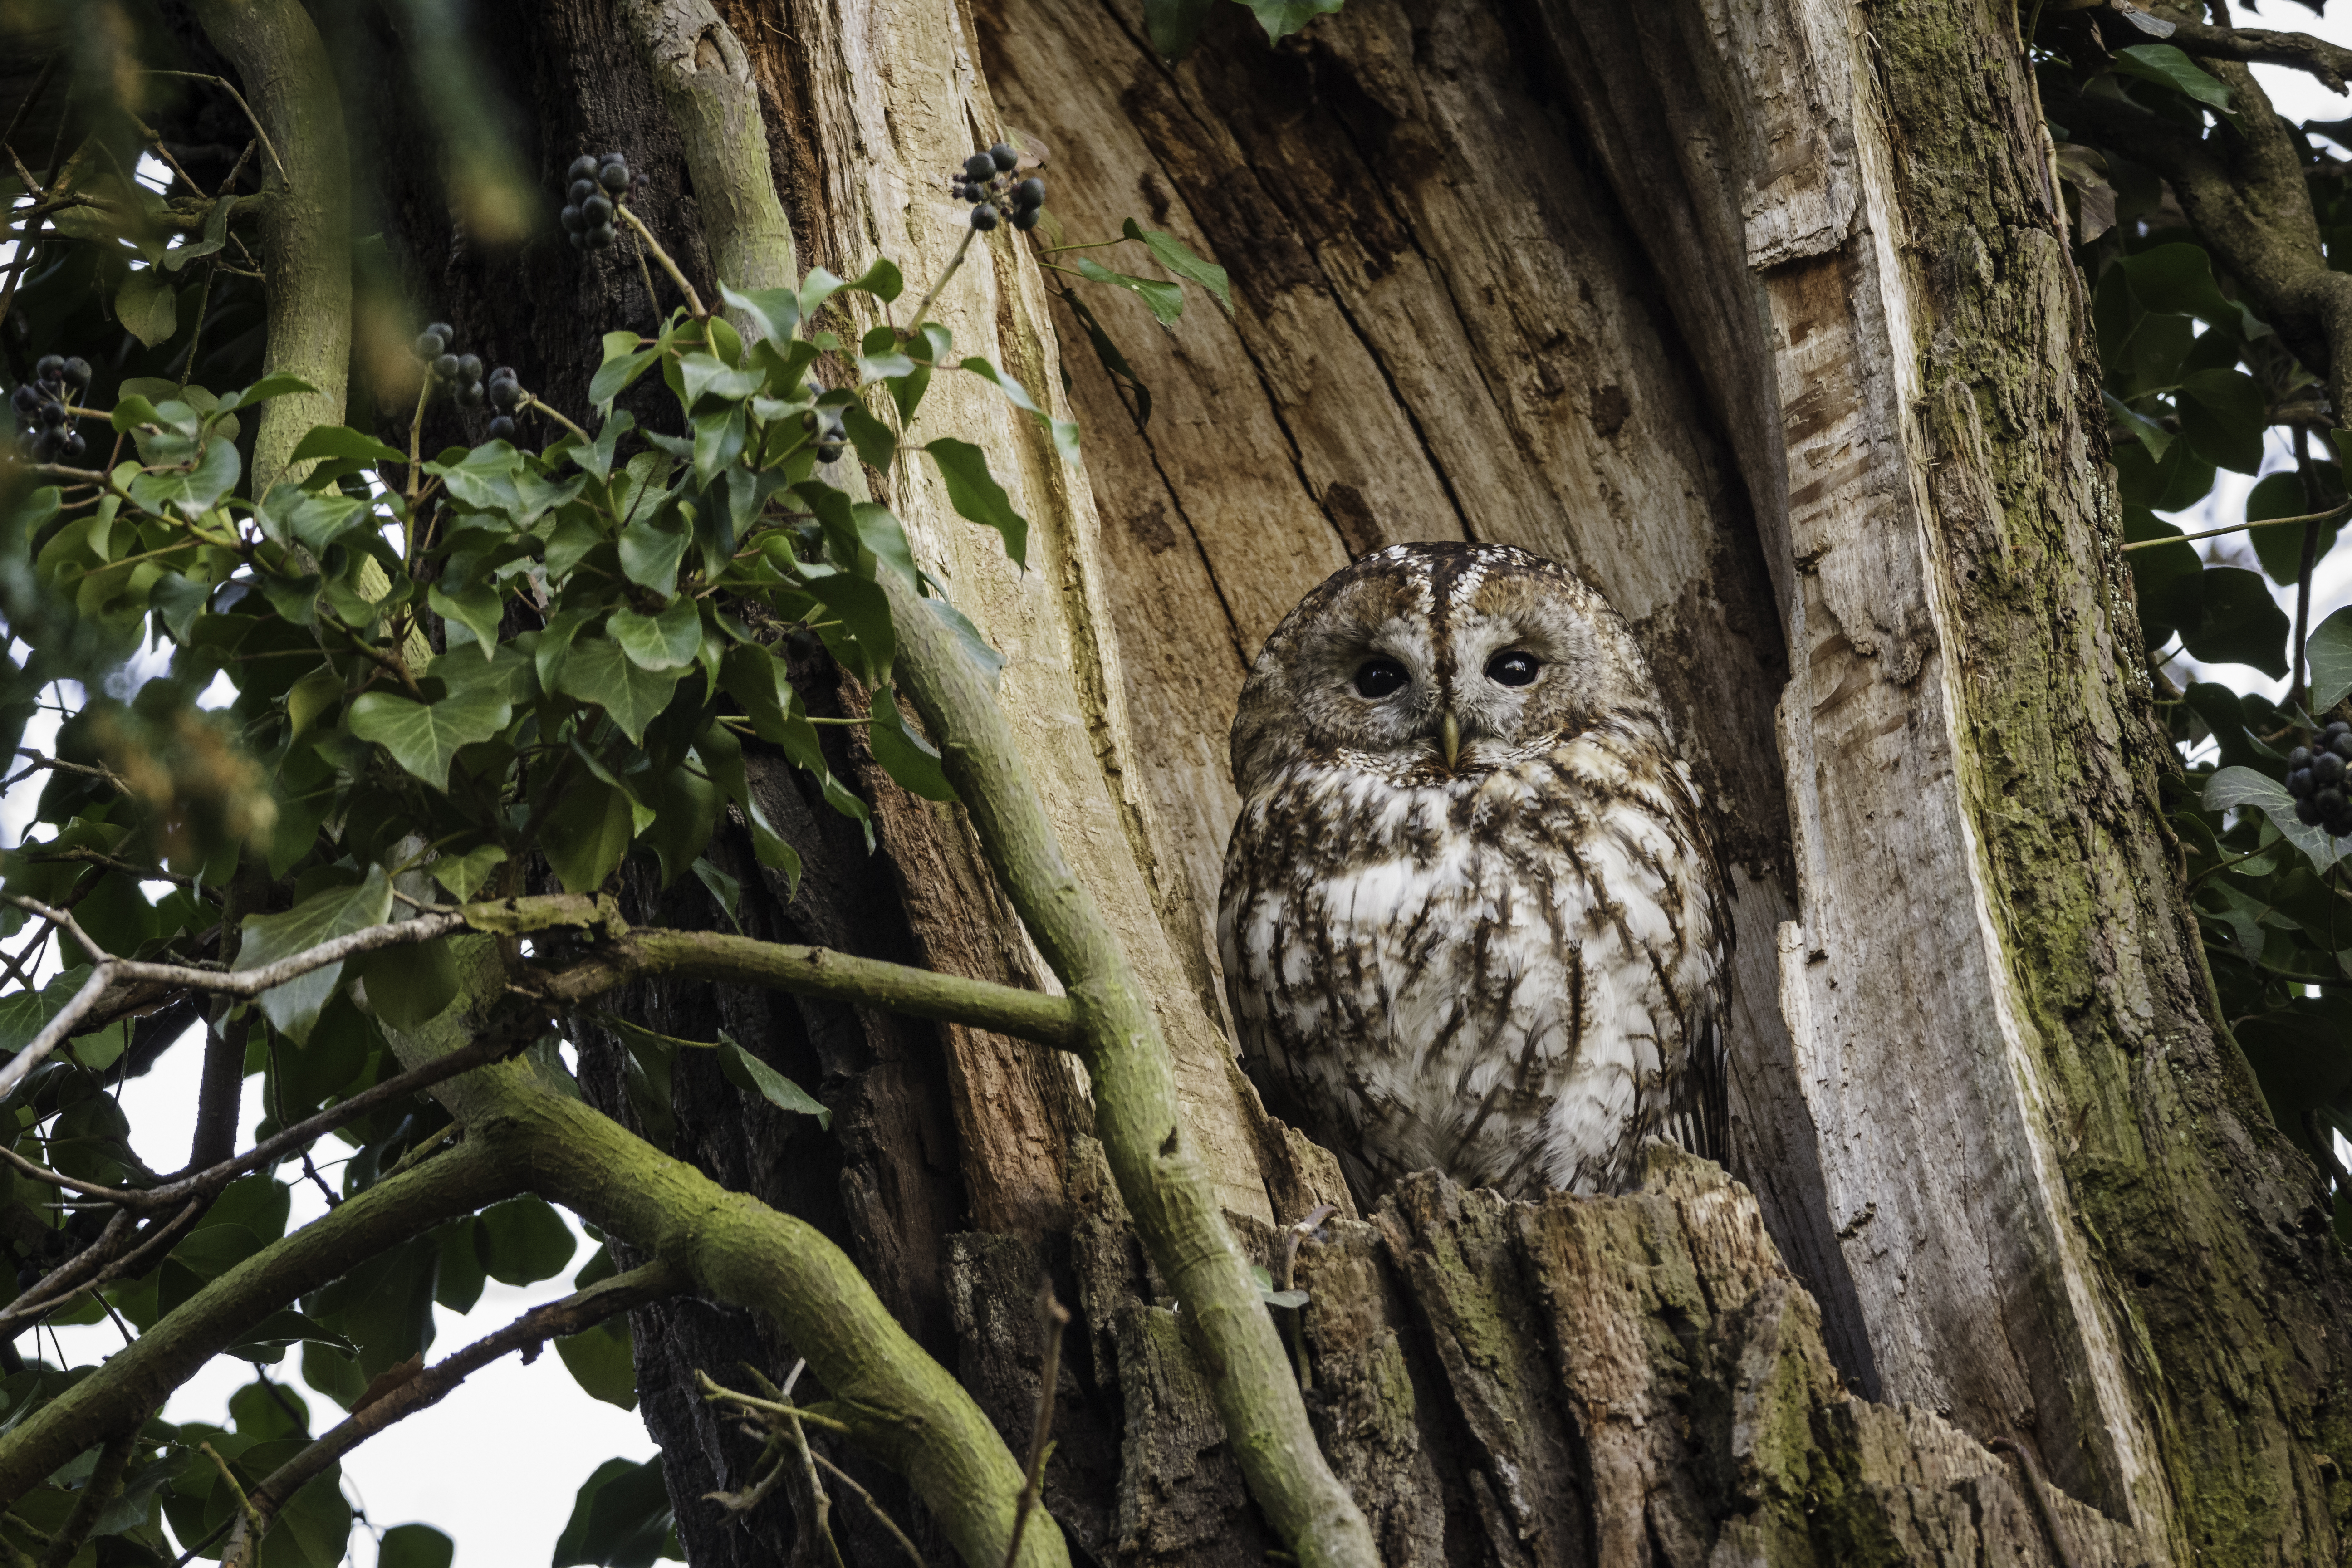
24	399
1003	156
2320	778
571	220
1029	193
583	168
51	368
502	428
446	366
600	237
614	175
469	368
53	415
78	373
1025	219
979	167
597	211
73	445
983	217
581	191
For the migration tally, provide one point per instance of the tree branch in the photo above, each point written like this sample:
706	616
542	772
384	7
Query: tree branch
897	1402
1136	1117
96	1493
582	1309
306	228
2246	198
137	1378
2331	63
820	972
242	982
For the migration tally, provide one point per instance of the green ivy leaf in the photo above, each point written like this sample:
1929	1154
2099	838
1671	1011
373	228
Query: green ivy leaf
340	441
817	288
415	1546
776	311
292	1008
1179	258
587	834
2223	416
620	1519
1065	431
193	492
706	375
598	671
746	1072
522	1241
976	647
650	555
1166	300
881	278
603	1361
1174	24
278	385
2140	426
422	737
977	496
2280	550
2329	655
147	308
1280	18
464	874
666	641
623	363
905	755
2233	789
476	609
880	532
2241	622
2163	64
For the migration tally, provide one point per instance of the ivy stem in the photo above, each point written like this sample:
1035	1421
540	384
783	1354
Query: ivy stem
531	400
2315	516
416	446
693	300
954	261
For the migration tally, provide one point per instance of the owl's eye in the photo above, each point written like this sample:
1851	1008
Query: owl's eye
1376	678
1513	669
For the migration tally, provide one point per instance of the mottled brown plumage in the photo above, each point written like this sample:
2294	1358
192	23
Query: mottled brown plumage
1511	965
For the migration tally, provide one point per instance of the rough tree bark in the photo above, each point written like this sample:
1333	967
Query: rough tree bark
1759	312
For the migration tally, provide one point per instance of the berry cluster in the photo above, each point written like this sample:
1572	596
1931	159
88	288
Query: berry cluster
46	430
462	373
506	396
596	185
986	180
2315	777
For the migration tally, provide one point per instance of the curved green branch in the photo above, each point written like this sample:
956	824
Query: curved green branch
898	1402
1136	1114
306	227
706	82
137	1379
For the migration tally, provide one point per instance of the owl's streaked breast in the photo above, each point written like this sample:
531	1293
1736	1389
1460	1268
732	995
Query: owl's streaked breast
1511	972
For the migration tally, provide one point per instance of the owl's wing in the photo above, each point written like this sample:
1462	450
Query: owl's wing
1698	1108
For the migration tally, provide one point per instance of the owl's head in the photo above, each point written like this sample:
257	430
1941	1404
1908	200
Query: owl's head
1482	650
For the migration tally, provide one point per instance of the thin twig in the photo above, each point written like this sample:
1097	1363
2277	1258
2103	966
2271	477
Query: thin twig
580	1310
267	145
693	300
247	982
96	1493
2240	528
954	261
866	1498
1055	1318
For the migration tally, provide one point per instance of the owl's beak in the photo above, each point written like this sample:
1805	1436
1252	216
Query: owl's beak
1449	738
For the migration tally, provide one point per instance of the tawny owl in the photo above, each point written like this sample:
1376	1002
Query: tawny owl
1471	917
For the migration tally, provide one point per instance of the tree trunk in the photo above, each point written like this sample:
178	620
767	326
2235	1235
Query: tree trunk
1762	315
